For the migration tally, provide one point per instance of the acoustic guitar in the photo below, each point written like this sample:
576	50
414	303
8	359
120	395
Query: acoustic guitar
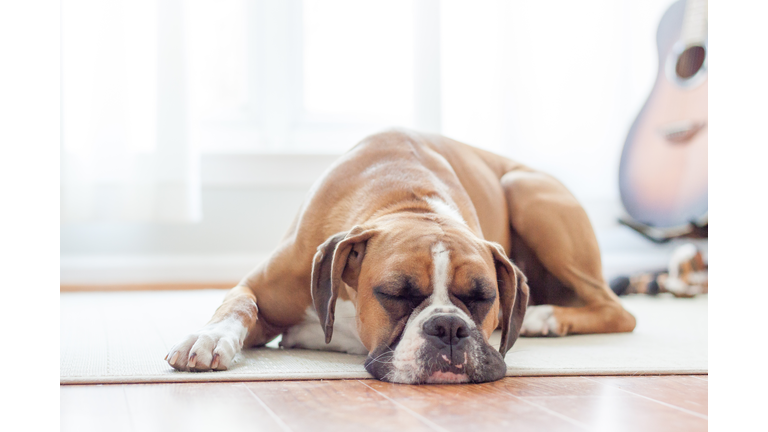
663	170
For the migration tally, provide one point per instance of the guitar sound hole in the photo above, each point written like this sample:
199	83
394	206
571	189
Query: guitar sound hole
690	61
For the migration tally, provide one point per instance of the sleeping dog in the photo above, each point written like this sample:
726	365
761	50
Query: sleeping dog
412	249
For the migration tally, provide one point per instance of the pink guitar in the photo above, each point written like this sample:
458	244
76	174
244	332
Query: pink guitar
663	171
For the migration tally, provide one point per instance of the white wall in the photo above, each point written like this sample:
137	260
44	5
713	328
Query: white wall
553	84
248	204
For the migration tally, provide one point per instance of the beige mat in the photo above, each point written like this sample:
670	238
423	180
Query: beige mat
123	337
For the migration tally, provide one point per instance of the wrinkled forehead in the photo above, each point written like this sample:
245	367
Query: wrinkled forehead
424	258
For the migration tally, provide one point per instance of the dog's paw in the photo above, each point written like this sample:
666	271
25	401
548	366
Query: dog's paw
211	348
541	321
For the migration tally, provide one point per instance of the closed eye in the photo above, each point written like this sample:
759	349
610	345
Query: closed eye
481	293
412	300
474	298
479	299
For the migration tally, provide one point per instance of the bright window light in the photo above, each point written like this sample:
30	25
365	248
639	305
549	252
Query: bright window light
358	60
216	57
109	75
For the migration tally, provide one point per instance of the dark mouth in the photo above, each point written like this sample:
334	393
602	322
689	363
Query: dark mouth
447	378
476	365
443	362
440	370
448	368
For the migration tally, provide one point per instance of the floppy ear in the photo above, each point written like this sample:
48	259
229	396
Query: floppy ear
338	258
513	296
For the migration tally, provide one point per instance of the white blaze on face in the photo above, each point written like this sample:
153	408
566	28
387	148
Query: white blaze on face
404	361
441	261
440	301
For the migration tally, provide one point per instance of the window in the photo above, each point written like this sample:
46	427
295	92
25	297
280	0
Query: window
293	76
548	83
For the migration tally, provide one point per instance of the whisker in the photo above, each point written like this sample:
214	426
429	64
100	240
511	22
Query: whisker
386	361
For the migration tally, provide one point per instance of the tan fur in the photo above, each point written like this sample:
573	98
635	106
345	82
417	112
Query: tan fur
382	184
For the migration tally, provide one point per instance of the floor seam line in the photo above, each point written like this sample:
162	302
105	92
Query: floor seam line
549	411
426	421
271	413
687	411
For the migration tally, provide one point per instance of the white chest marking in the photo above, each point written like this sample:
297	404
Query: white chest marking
309	334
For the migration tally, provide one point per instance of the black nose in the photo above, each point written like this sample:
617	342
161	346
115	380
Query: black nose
447	328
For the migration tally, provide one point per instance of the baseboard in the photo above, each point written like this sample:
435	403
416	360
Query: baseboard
146	287
81	272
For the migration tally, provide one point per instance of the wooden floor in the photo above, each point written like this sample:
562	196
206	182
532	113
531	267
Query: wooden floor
646	403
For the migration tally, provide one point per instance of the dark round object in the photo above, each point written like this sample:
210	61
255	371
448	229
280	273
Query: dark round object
690	61
653	287
619	285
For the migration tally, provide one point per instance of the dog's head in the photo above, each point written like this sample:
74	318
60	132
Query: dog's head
428	295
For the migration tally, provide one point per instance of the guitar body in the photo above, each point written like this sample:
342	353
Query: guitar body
663	170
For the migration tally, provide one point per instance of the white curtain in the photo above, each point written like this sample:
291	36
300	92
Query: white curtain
554	84
145	83
126	155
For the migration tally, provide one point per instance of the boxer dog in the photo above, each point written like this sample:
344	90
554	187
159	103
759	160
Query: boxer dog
412	249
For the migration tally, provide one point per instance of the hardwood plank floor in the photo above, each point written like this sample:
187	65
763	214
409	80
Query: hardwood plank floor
347	405
656	403
683	392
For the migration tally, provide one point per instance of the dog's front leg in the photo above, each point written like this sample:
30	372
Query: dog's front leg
214	346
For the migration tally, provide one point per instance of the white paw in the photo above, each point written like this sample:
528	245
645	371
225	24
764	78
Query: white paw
540	321
680	288
211	348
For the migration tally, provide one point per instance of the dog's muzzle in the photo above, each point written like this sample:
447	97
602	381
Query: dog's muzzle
447	342
437	346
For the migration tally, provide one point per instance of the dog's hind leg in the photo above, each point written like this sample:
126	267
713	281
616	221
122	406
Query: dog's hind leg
560	255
